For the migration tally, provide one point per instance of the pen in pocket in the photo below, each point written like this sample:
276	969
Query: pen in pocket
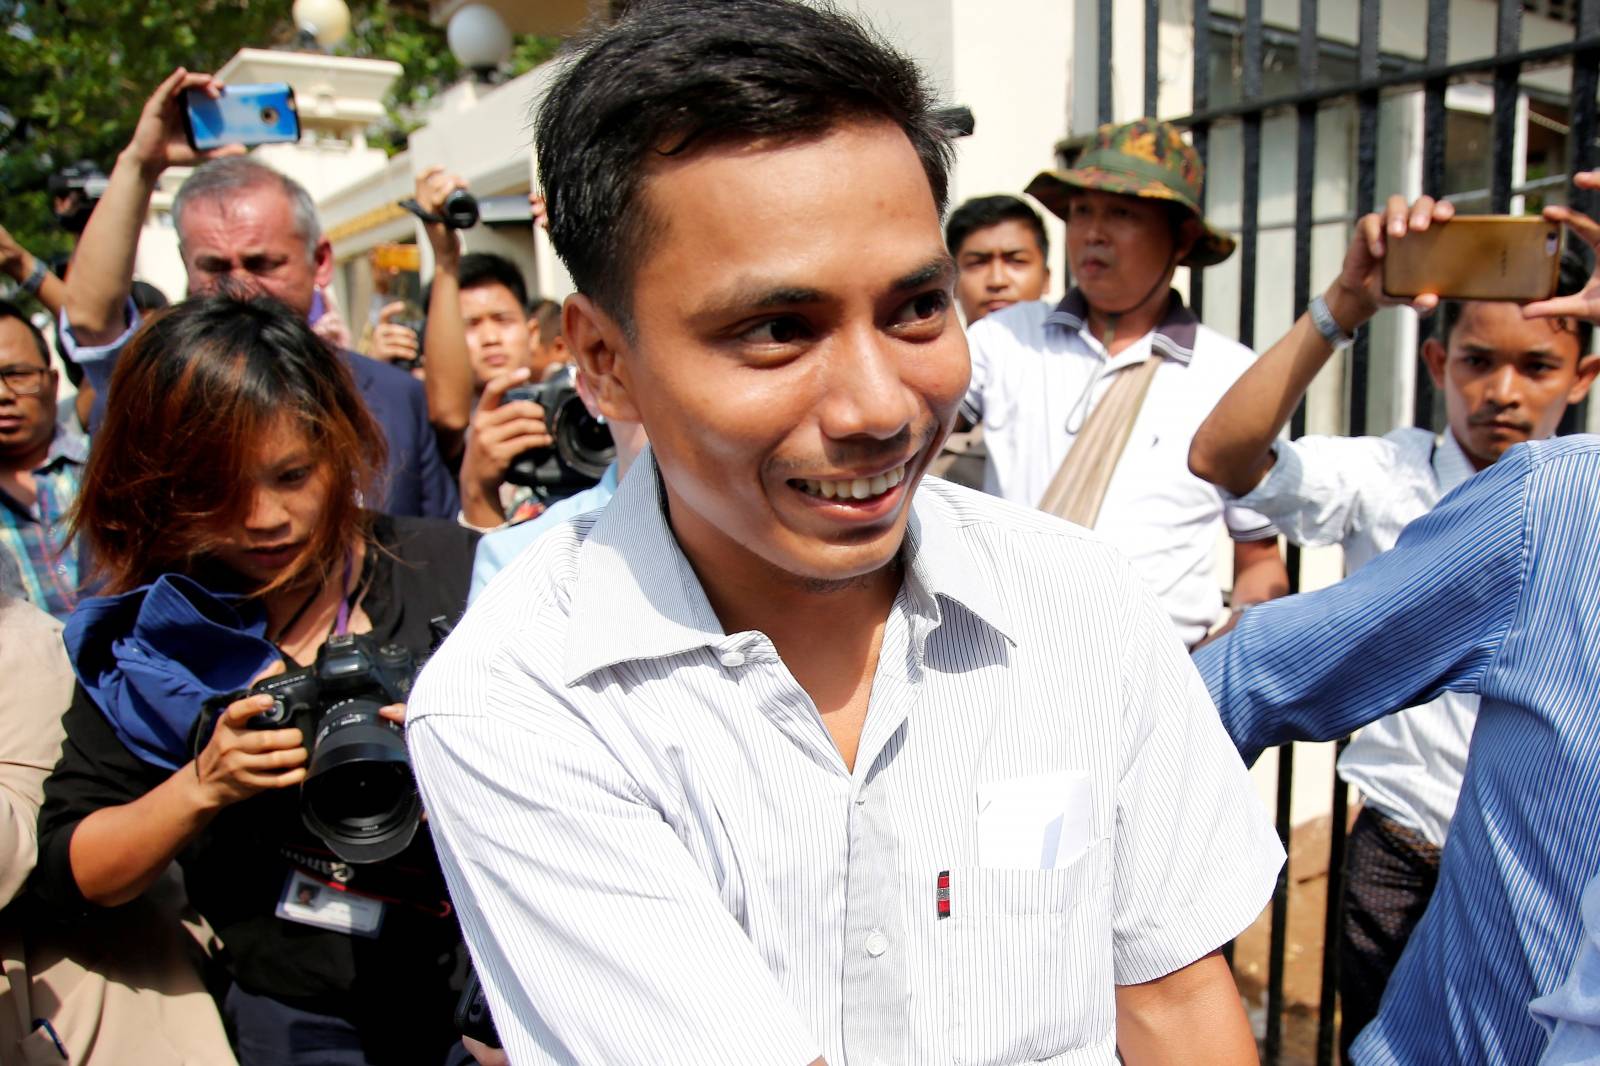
941	894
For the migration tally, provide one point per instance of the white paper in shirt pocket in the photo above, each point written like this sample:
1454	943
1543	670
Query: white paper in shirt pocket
1034	823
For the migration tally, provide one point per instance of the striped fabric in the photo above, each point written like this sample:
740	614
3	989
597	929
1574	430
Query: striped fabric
44	557
1496	591
1361	493
659	856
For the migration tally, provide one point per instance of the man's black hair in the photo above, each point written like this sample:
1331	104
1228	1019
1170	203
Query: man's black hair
548	314
11	310
670	76
486	268
981	212
1575	271
146	297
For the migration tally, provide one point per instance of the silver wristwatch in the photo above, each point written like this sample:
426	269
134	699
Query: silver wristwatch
1326	324
35	279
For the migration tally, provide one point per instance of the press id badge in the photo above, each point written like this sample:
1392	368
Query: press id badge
311	902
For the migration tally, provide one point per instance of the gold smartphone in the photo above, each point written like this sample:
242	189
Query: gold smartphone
1477	257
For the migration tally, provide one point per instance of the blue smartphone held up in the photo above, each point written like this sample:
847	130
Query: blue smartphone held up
243	114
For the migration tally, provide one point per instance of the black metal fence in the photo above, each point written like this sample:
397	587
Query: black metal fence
1375	75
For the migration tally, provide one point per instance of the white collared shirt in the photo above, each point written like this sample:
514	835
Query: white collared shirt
1360	493
1037	372
658	854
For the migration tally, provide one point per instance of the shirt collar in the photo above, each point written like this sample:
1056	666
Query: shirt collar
635	596
69	444
1450	464
1174	336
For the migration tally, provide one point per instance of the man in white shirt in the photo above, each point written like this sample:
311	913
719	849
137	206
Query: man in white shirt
780	758
1131	205
1506	378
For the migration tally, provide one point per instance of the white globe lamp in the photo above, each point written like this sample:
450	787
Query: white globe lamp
327	21
479	38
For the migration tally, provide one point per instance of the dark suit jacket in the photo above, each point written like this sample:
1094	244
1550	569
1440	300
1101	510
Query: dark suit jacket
417	481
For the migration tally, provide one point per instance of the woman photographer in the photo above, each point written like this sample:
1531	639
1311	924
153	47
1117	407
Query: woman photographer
222	511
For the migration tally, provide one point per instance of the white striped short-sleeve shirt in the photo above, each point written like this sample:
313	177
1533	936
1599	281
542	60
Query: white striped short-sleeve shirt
658	854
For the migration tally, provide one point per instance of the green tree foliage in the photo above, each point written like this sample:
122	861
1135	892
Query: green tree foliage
78	71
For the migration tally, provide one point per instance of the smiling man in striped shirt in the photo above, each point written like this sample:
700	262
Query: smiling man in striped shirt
788	756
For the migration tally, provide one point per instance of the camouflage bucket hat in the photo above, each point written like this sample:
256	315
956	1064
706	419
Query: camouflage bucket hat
1143	158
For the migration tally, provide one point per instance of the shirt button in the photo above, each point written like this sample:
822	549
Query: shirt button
732	658
877	943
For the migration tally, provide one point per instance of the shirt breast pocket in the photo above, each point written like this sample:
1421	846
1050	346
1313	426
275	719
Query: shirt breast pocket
1027	954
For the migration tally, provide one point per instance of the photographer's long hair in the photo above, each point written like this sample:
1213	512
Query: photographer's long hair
194	395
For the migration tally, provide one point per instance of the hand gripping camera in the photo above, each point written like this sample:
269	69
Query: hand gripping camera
583	446
359	795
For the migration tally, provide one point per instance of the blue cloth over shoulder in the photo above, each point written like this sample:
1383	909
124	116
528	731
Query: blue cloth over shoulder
151	658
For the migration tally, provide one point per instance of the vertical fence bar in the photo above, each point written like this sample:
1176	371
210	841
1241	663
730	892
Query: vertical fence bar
1424	401
1200	133
1366	194
1249	248
1507	38
1307	55
1103	80
1581	153
1152	58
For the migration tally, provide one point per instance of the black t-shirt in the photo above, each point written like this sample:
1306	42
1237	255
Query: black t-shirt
237	869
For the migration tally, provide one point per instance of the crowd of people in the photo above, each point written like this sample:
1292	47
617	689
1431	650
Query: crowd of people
877	703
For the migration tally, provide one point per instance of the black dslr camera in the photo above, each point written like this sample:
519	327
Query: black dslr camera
583	446
358	796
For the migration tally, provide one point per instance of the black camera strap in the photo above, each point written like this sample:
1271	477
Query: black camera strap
426	216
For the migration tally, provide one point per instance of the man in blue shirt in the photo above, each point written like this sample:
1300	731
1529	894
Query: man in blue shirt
1495	592
239	223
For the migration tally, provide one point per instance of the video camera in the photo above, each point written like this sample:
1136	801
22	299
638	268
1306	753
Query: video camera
81	185
583	446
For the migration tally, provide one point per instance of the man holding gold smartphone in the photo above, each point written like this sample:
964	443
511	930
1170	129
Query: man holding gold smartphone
1507	377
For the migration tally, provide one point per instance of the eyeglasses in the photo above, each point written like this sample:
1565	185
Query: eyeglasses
24	380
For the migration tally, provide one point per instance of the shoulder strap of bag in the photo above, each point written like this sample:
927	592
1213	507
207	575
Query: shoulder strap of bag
1079	487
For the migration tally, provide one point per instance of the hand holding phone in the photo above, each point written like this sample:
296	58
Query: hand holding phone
1477	257
241	114
160	139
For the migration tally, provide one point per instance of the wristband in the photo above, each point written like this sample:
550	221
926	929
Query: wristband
1326	324
35	279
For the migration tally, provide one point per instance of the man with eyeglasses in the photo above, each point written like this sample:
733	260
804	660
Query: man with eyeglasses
41	466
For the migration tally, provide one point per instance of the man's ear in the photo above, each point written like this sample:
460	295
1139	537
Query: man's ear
1434	355
1588	367
598	345
1189	234
322	263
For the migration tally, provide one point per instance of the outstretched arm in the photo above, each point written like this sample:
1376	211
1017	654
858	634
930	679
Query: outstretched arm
102	268
446	369
1426	616
20	263
1233	446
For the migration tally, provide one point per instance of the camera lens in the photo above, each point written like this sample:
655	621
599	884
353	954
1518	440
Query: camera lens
584	441
359	795
269	116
